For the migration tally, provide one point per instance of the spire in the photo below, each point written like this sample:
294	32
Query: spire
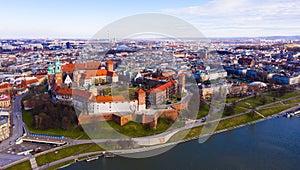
50	69
57	65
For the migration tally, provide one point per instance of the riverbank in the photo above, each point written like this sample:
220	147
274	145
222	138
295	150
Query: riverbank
225	127
269	144
182	141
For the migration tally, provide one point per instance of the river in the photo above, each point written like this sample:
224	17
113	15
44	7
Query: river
271	144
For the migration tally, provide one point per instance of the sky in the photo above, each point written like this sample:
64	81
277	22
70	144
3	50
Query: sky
83	18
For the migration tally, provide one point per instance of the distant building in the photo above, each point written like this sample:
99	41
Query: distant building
280	79
256	86
249	62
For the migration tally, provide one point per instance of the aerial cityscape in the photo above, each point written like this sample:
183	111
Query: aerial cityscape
181	87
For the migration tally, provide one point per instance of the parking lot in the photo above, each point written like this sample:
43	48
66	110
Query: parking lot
27	146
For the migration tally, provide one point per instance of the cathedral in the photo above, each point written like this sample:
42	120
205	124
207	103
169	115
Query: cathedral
55	74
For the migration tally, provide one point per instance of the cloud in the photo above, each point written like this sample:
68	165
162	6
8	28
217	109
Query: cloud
243	17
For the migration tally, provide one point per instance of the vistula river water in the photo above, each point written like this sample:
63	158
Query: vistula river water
271	144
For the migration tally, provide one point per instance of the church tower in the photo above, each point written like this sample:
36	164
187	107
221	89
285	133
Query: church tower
141	96
51	76
58	72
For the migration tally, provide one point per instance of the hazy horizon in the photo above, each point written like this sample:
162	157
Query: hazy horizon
214	18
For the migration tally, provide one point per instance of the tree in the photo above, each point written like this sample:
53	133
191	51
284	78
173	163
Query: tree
202	104
229	110
252	114
263	100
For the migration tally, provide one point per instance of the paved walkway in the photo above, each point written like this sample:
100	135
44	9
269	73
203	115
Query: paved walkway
259	114
33	163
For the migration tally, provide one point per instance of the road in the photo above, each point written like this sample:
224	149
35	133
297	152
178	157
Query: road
16	119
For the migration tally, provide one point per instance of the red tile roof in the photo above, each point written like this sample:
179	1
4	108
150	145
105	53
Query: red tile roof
69	68
64	91
101	73
140	91
101	99
82	93
94	73
5	85
109	62
162	87
31	81
87	65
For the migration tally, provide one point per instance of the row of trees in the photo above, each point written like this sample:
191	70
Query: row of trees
53	115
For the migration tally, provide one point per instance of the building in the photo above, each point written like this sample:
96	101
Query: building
4	100
55	73
140	95
256	86
63	94
111	104
4	127
160	95
248	62
237	90
122	119
286	80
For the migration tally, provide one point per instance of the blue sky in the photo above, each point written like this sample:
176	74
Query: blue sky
82	19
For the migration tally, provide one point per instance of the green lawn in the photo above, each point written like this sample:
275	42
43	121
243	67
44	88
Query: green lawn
104	130
186	134
59	165
71	133
235	121
271	111
203	112
238	110
227	123
24	166
254	102
285	96
69	151
231	99
296	100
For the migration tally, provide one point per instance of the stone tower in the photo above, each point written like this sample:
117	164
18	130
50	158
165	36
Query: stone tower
141	96
109	65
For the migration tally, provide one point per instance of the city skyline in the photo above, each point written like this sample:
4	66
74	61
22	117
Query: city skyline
216	18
